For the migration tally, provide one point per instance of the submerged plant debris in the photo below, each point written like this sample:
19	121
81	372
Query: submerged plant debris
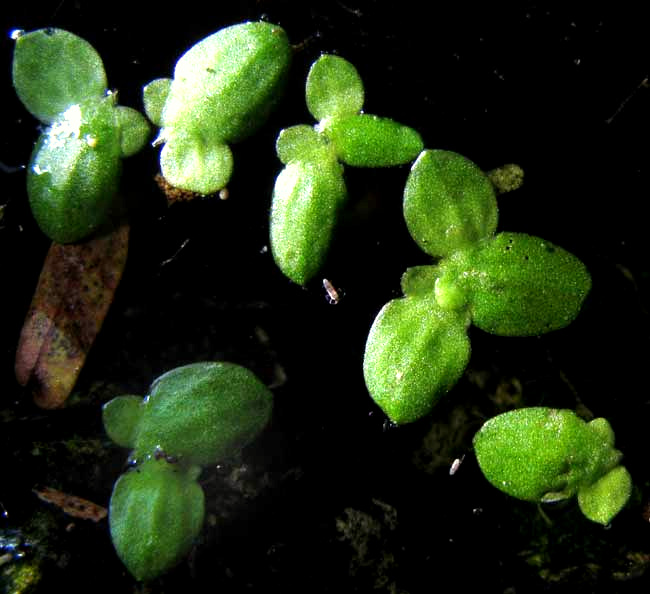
74	292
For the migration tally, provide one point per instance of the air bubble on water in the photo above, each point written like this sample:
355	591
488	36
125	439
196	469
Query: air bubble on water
16	33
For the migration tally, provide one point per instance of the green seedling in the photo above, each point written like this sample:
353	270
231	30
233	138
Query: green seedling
510	284
223	89
544	454
310	190
193	416
74	170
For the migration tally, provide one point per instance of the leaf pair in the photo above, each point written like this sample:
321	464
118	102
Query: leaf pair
75	167
510	284
194	415
543	454
223	89
310	190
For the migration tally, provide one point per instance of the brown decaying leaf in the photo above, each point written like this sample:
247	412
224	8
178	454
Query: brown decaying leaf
72	505
74	292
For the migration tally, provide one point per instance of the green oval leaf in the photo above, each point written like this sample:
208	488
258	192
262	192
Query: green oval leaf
542	454
419	280
54	69
121	417
134	130
415	353
191	162
302	143
155	514
449	203
370	141
226	85
306	200
334	88
521	285
74	171
602	500
154	97
203	413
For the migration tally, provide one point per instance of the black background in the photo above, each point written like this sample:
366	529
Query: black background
561	92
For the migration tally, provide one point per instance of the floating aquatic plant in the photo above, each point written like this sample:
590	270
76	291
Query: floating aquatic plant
74	170
543	454
223	89
194	415
310	190
510	284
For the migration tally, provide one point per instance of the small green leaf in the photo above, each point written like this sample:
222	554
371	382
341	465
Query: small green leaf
54	69
302	143
522	285
370	141
415	353
449	203
306	200
156	512
134	130
74	171
154	96
334	88
602	500
203	413
190	162
542	454
419	280
121	417
604	429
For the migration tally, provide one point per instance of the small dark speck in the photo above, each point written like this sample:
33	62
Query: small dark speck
526	258
549	248
210	70
49	31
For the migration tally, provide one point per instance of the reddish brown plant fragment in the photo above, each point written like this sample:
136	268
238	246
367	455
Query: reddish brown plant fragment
72	505
72	297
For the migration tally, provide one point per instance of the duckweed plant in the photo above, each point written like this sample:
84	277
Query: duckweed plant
74	171
310	190
222	91
544	455
193	416
509	284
